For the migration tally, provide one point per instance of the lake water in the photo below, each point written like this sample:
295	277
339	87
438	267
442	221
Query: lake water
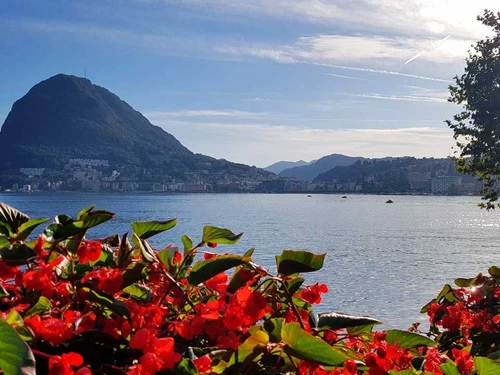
383	260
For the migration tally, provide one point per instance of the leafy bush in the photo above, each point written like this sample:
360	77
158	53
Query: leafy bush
70	305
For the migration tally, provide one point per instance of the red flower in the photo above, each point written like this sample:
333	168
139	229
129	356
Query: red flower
463	359
209	310
454	316
432	311
164	349
177	257
143	339
246	307
56	331
39	247
188	328
433	361
312	294
159	354
218	282
203	363
50	329
86	323
350	367
111	280
6	272
62	365
111	328
89	251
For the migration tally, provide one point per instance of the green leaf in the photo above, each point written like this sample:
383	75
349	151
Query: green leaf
58	232
219	235
494	271
449	368
446	290
146	229
274	327
11	218
402	372
16	357
306	346
17	253
249	252
124	251
494	355
185	367
206	269
4	242
464	283
40	307
360	329
408	339
26	228
187	243
294	284
133	273
93	219
486	366
251	348
84	212
118	307
293	261
138	291
147	252
166	257
237	280
335	321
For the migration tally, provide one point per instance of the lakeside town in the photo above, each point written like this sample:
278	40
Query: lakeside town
433	176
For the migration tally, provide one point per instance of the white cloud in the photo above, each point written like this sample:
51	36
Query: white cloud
262	144
204	114
345	77
380	51
383	54
410	17
407	98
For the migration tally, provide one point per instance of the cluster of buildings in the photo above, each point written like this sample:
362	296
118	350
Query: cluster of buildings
97	175
416	176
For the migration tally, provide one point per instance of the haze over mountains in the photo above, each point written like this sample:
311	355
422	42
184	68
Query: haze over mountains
310	171
67	117
280	166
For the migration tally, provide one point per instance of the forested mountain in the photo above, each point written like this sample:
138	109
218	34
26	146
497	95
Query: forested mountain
282	165
311	171
67	117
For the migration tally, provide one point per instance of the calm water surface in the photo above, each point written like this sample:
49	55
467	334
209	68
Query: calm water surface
384	260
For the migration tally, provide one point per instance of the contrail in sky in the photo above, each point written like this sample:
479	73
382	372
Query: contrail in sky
420	53
379	71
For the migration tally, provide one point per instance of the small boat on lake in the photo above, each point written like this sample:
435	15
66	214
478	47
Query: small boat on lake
344	196
389	201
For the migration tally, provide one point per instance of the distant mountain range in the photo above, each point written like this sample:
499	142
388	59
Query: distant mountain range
282	165
310	171
67	117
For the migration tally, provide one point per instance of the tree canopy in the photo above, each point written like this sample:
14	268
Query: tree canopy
477	127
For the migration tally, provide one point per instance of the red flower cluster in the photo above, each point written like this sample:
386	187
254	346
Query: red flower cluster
312	294
88	306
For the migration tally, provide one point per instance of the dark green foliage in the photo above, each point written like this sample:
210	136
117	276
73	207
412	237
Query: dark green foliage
477	127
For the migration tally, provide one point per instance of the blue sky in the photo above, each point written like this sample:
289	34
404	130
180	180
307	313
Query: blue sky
262	80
